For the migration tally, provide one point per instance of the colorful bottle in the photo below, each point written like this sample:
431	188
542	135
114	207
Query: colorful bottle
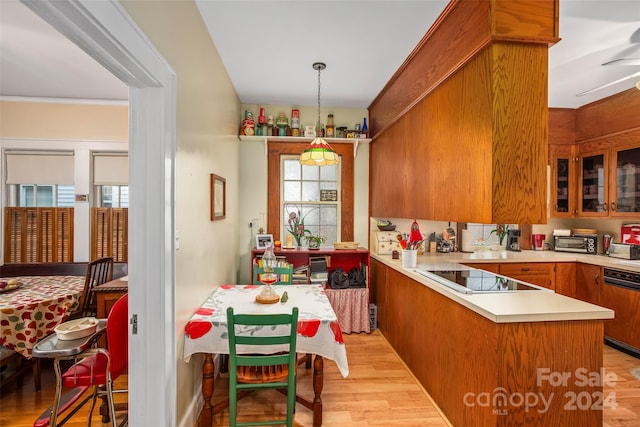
330	128
365	130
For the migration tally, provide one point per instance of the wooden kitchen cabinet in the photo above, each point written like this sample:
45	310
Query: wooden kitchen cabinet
454	140
537	273
566	279
563	191
624	329
378	289
492	267
588	282
609	180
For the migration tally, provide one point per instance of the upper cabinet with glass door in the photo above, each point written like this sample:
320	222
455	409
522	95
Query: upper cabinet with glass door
563	181
593	197
609	180
625	181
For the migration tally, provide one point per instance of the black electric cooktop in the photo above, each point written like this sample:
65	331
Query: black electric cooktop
472	280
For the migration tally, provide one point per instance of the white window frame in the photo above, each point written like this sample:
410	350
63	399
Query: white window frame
338	204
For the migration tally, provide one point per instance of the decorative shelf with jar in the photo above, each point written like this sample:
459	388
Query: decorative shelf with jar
266	139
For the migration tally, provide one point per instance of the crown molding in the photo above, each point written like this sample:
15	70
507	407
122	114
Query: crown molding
77	101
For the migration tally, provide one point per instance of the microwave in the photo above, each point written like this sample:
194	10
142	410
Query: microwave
580	244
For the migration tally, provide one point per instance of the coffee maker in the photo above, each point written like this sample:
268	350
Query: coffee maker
513	240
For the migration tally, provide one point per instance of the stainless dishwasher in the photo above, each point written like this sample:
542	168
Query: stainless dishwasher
621	293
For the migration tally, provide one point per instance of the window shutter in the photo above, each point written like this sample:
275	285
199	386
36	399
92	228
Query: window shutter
38	235
109	233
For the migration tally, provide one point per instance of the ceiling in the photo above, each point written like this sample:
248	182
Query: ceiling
269	56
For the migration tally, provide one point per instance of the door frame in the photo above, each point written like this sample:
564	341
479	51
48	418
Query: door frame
107	33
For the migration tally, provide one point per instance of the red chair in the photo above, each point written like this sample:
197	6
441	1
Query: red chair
99	367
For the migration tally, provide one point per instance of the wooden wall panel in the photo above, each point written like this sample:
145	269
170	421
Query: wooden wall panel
528	19
520	133
461	31
562	126
458	116
387	175
559	347
612	115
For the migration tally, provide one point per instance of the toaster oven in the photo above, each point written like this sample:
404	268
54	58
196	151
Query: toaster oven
624	251
579	244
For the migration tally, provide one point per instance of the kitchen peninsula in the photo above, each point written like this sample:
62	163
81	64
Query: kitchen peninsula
489	359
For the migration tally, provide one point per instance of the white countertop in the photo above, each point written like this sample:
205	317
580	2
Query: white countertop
527	256
528	306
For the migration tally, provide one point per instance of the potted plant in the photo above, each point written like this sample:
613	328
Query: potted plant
314	242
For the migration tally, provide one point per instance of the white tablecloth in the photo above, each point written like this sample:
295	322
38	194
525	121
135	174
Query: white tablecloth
318	328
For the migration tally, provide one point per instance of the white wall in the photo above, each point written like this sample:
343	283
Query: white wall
207	126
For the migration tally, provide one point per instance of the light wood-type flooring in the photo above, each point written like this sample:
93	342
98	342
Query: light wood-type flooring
379	391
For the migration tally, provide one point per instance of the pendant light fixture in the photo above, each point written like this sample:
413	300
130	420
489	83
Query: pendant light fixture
319	152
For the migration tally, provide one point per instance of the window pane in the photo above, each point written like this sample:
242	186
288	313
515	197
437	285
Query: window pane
311	173
66	196
328	173
328	215
44	195
310	214
107	196
310	191
292	190
328	185
292	169
27	198
124	196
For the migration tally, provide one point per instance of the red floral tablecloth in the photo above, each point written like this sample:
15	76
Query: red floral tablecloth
318	328
31	312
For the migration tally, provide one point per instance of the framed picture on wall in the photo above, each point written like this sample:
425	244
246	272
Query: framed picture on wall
263	241
218	197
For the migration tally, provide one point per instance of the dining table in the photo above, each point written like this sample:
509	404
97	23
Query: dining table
31	311
319	334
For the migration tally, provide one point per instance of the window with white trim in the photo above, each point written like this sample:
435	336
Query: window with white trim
313	193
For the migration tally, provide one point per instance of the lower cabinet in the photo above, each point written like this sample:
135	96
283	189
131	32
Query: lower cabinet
588	282
537	273
491	267
456	353
566	279
378	291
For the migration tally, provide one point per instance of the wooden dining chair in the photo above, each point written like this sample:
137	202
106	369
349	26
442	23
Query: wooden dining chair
258	371
284	274
99	271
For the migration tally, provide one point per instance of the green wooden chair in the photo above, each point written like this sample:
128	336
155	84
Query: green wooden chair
284	274
261	371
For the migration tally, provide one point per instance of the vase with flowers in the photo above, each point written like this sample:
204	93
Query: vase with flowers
501	231
295	226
